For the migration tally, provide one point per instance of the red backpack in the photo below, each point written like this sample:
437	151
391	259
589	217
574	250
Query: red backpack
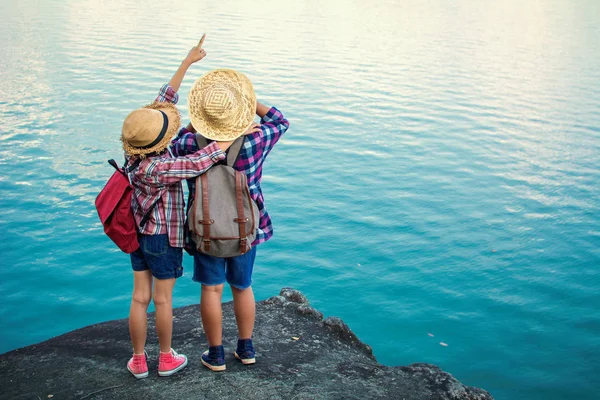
114	209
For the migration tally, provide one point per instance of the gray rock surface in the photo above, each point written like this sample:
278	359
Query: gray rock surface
327	361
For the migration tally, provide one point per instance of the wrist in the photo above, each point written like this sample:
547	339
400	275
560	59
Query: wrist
186	62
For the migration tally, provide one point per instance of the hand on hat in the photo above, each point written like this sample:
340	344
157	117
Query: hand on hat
197	53
254	128
224	145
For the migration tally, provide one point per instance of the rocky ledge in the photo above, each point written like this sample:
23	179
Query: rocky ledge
300	356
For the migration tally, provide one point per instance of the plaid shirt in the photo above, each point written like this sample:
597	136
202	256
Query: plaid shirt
250	161
159	177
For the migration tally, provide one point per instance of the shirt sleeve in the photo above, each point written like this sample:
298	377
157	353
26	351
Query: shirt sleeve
184	143
273	126
167	94
167	171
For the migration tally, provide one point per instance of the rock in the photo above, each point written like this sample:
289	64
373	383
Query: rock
343	331
275	300
299	356
308	310
293	295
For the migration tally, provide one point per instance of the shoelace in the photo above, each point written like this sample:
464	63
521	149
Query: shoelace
246	348
175	355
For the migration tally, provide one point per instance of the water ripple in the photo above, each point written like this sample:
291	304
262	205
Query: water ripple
441	173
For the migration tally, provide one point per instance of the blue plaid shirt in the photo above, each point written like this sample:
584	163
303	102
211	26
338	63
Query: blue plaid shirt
253	153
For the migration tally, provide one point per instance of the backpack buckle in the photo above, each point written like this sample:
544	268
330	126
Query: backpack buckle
243	242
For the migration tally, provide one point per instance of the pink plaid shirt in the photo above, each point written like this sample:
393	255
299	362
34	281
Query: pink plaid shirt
159	177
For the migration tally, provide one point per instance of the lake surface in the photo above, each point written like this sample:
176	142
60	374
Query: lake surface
440	176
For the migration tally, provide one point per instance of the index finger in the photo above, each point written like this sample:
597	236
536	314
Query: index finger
201	41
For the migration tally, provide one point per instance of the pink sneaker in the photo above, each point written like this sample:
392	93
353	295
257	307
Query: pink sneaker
137	365
171	362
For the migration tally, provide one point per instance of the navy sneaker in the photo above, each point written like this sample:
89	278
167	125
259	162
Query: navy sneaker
214	358
245	351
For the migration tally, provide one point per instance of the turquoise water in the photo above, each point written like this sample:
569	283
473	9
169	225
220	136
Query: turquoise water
440	176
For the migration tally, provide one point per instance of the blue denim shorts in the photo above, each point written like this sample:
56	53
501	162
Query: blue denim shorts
237	271
155	254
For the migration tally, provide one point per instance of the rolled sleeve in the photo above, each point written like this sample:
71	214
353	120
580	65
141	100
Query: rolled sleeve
273	126
184	143
167	94
215	152
272	115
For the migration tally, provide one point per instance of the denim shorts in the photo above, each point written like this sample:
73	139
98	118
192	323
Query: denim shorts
237	271
155	254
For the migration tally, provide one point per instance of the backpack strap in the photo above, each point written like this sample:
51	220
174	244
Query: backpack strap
206	221
146	216
232	153
148	213
133	166
201	141
126	170
202	195
241	219
114	164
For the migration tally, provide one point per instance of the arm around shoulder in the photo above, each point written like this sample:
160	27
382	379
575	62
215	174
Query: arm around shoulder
168	171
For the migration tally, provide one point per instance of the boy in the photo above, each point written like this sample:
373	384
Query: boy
228	109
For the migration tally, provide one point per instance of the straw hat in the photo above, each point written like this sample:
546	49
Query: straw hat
150	128
222	104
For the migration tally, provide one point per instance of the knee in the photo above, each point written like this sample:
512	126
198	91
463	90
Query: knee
217	289
161	299
142	298
247	291
236	290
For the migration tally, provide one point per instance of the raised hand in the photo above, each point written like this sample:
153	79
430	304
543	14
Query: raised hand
196	53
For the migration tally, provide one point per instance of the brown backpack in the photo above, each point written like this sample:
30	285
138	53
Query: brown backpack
223	218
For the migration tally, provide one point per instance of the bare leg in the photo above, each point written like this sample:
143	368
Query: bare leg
138	322
245	311
210	308
163	302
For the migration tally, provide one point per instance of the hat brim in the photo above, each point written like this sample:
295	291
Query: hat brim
245	113
174	119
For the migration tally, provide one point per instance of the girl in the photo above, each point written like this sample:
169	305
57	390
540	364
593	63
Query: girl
158	208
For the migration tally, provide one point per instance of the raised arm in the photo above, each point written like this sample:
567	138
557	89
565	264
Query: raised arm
273	125
169	91
261	109
195	54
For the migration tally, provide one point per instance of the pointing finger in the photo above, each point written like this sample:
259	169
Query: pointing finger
201	41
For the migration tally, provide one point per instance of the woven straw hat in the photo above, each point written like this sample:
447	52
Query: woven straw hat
222	104
150	128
